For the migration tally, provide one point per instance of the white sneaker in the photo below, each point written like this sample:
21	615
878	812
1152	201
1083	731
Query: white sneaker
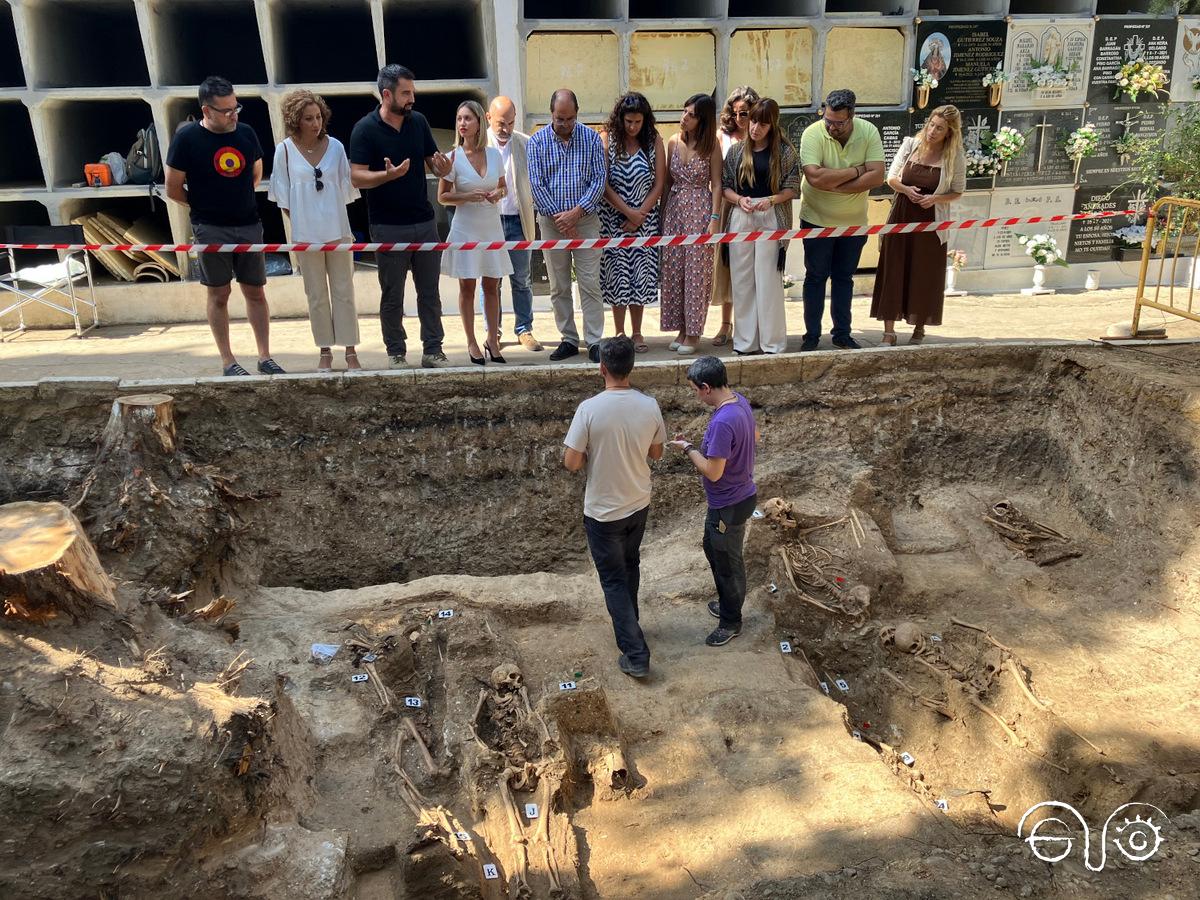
685	349
397	362
673	346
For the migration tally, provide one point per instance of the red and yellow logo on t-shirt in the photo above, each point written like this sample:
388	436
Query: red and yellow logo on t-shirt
229	162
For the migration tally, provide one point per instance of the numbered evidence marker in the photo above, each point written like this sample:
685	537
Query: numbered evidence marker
936	638
369	657
359	679
943	805
757	514
842	685
857	735
566	685
771	588
825	686
490	871
445	614
531	811
414	702
785	646
907	759
462	835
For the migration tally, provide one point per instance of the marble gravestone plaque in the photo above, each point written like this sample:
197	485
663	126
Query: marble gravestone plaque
1091	240
1043	161
977	126
1003	251
972	241
893	127
793	125
1186	70
958	54
1113	123
1120	40
1064	43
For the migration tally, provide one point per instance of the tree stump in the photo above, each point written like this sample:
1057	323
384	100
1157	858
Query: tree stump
140	422
47	563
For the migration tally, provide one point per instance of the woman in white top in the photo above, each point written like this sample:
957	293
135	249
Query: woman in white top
310	182
475	185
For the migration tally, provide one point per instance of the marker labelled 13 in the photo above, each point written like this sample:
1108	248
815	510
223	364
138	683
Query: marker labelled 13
413	702
531	811
359	679
490	871
445	614
566	685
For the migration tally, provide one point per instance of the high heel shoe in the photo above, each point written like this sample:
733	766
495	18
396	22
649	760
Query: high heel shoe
494	357
478	360
889	338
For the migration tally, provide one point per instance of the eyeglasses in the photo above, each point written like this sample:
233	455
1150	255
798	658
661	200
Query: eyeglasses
744	114
836	124
232	111
317	173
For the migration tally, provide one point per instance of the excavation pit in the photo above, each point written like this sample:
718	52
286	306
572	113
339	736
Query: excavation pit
206	738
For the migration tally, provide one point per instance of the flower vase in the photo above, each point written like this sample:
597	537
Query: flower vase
922	96
994	93
1077	164
1039	282
1004	167
952	283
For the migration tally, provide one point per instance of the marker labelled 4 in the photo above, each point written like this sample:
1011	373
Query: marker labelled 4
531	810
359	679
566	685
785	646
445	614
943	805
490	871
907	759
413	702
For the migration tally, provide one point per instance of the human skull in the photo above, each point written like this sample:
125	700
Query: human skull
908	637
507	677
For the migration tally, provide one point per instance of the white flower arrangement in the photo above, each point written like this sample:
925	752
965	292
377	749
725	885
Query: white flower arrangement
981	164
1007	144
1082	143
1140	77
996	76
1047	75
789	281
1043	248
957	259
921	78
1130	235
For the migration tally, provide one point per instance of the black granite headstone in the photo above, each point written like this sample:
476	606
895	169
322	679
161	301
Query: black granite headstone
1120	40
1113	123
958	54
893	127
977	126
1043	161
1091	240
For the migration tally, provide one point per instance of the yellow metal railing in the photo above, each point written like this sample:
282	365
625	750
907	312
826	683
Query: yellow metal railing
1171	228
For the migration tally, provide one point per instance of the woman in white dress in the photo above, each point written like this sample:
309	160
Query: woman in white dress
310	182
474	185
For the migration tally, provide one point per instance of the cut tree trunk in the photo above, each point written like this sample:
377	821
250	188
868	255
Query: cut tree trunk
140	422
47	563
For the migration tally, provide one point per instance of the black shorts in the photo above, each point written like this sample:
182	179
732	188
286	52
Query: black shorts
218	269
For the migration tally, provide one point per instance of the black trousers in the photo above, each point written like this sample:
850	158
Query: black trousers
723	547
616	551
426	269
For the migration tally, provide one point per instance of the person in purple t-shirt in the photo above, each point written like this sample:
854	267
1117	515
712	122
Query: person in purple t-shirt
725	459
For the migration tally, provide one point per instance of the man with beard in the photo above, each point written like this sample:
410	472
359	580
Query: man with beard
390	148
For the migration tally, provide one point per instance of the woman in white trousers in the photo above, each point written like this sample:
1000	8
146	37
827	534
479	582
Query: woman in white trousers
760	180
310	182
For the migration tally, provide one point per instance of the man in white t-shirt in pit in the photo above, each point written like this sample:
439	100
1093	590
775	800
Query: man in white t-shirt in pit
614	435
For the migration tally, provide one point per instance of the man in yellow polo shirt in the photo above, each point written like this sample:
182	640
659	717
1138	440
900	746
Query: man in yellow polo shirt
842	159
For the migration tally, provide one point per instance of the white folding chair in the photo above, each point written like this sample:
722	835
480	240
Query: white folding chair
50	284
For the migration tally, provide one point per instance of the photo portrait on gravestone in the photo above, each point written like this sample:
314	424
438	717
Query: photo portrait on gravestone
963	52
935	55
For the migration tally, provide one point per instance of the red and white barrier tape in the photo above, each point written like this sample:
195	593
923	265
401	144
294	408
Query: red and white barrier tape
657	240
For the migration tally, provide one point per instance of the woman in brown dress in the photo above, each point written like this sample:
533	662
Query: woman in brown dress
928	174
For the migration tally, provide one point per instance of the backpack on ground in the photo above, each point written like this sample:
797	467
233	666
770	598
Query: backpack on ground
144	161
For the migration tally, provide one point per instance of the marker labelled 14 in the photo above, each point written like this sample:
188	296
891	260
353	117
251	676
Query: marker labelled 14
359	679
413	702
490	871
445	614
531	811
907	759
566	685
785	646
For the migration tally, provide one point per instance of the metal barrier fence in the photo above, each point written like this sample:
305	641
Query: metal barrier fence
1171	229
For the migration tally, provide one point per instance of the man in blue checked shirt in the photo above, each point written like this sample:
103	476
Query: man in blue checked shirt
567	174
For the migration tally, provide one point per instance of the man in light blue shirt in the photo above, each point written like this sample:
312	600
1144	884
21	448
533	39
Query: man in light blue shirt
567	174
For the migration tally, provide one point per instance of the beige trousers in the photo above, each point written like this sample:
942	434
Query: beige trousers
329	286
759	319
587	274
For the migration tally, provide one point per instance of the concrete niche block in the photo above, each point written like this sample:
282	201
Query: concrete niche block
869	61
586	63
670	66
777	61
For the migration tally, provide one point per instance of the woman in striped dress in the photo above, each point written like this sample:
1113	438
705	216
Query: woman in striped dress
636	175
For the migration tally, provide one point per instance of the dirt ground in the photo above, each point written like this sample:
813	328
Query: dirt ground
186	746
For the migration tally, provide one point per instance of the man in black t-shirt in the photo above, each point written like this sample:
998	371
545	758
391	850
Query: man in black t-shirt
220	162
390	149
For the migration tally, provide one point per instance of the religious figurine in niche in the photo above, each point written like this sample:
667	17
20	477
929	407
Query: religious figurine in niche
1052	47
935	56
